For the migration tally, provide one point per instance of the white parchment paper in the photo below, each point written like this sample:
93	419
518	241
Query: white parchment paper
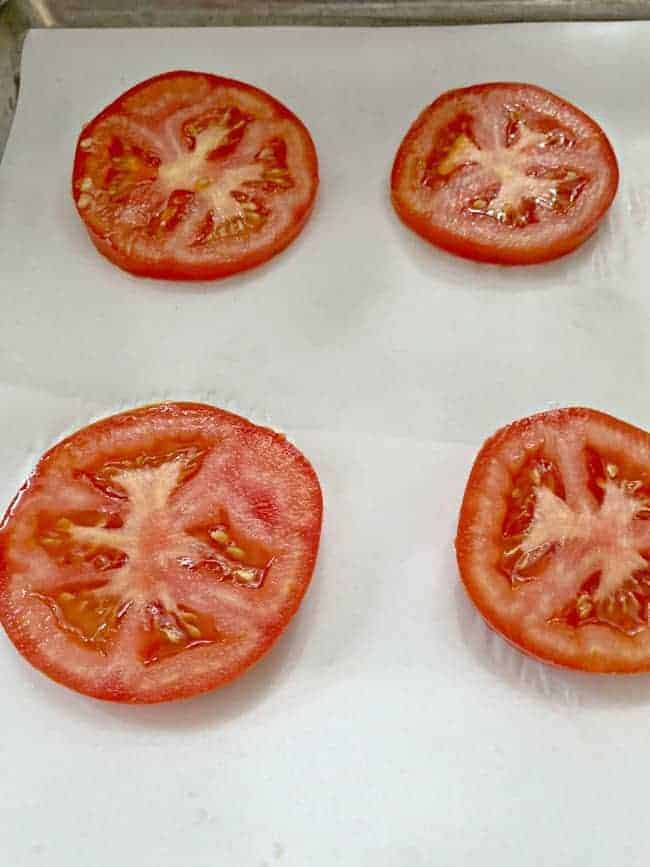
388	727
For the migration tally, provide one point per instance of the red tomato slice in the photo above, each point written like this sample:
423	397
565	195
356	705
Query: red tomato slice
158	553
554	539
504	173
192	176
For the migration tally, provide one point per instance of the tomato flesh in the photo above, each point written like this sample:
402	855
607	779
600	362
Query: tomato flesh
136	564
505	173
553	539
192	176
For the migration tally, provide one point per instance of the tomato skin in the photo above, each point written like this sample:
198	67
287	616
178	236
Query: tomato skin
205	669
169	269
168	266
466	249
498	249
479	537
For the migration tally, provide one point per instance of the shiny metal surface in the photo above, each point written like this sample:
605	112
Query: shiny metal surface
18	16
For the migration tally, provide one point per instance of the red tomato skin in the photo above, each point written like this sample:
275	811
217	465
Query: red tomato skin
475	500
169	269
31	649
490	253
480	253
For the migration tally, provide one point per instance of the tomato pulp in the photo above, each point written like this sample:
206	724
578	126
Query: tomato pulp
504	173
192	176
158	553
553	540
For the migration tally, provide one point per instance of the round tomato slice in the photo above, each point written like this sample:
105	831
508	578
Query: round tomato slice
504	173
158	553
553	541
192	176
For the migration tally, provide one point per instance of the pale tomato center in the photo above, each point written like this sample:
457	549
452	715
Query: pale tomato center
146	523
605	540
516	186
616	555
204	185
212	182
136	559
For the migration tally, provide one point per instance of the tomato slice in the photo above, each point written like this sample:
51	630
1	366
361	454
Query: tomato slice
192	176
158	553
553	541
504	173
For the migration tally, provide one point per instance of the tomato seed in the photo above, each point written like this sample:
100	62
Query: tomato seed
220	536
235	552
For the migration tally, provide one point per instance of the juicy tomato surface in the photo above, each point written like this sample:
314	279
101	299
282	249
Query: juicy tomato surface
553	541
192	176
158	553
504	173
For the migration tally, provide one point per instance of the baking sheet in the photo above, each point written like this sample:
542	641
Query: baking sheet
388	727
